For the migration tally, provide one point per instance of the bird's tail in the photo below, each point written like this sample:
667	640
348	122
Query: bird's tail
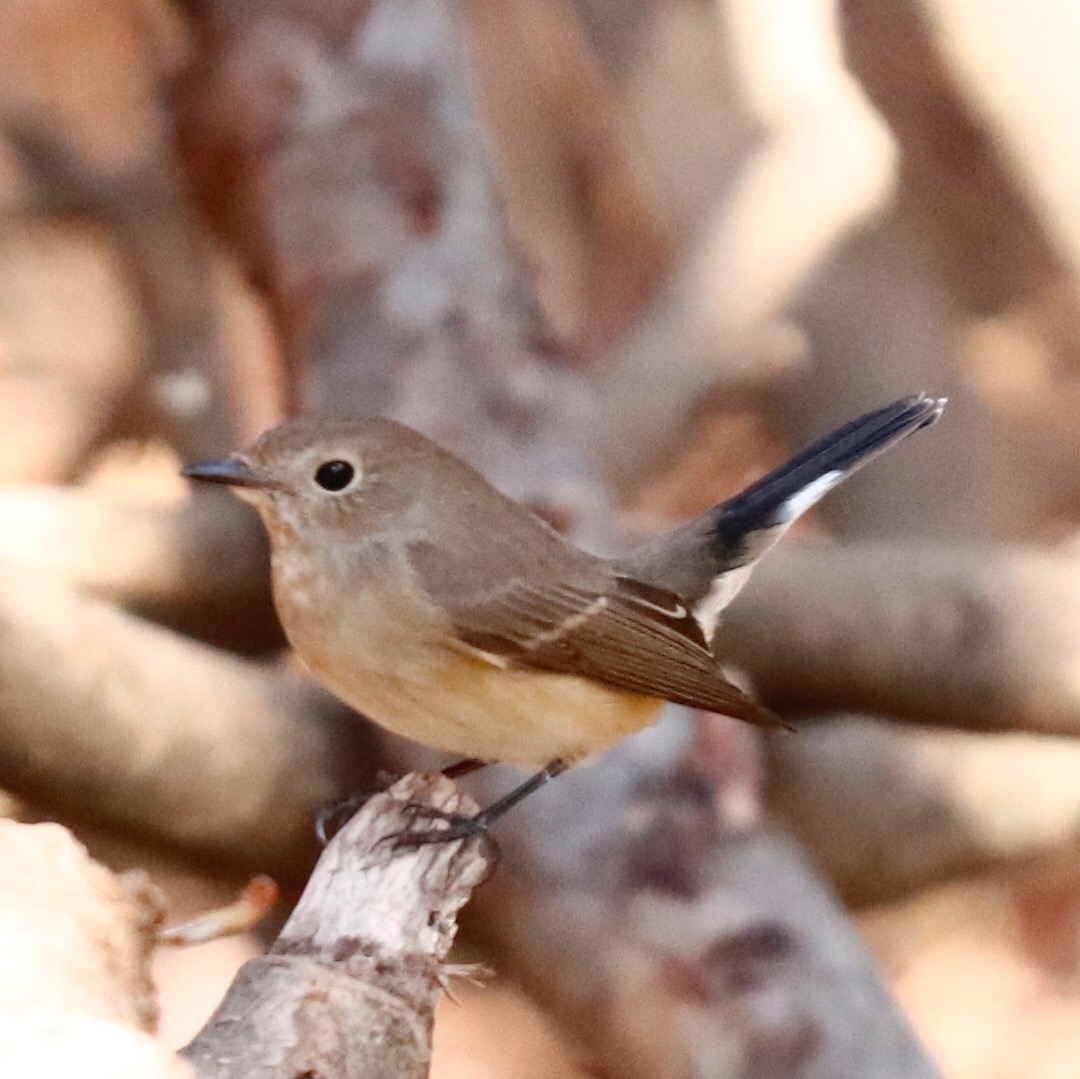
707	560
783	495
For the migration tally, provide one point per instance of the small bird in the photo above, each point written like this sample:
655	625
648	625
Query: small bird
452	615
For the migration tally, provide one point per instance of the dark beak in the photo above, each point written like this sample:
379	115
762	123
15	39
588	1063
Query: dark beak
233	471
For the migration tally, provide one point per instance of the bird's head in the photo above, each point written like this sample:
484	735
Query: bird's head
321	476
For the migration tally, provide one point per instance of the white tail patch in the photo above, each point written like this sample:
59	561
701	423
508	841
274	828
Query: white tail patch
726	587
813	492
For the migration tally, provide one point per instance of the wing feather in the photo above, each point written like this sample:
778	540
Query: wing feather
617	630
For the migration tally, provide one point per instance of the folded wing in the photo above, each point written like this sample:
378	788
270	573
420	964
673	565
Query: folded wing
611	628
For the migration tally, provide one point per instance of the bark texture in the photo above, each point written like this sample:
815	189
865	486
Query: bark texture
349	988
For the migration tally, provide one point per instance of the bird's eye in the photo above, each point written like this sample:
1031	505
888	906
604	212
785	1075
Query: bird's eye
334	475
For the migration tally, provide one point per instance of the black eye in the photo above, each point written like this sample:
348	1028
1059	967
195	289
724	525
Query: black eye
334	475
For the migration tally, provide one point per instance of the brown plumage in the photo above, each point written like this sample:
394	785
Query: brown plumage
451	614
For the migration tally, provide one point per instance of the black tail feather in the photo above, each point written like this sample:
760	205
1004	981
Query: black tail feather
766	503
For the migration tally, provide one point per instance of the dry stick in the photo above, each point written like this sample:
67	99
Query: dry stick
114	720
349	988
962	636
243	755
977	637
179	389
199	564
110	719
1027	120
719	325
580	195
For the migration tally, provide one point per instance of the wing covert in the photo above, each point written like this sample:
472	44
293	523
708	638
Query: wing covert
611	628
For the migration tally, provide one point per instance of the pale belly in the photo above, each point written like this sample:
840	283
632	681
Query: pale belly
468	707
411	679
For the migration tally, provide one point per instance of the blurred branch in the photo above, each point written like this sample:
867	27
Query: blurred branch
817	162
110	719
885	810
978	638
349	988
1018	70
76	996
581	196
194	562
354	181
239	757
115	165
903	339
644	905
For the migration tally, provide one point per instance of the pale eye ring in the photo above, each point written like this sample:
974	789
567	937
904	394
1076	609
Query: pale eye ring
334	476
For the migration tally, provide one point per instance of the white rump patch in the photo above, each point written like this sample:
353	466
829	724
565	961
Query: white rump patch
721	592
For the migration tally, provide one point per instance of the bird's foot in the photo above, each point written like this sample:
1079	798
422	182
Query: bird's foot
333	817
449	827
455	825
458	826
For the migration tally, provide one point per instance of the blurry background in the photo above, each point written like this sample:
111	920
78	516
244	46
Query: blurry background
623	257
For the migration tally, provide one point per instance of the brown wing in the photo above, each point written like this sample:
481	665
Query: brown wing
614	629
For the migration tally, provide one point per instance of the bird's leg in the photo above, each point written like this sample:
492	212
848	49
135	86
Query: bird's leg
334	816
500	808
458	827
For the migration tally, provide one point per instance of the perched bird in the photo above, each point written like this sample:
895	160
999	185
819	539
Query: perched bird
450	614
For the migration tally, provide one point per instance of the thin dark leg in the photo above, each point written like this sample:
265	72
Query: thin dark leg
459	827
507	802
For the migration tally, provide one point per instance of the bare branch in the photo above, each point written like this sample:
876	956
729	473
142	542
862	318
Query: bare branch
364	209
885	810
815	161
1018	76
978	638
86	126
349	988
581	196
208	549
110	719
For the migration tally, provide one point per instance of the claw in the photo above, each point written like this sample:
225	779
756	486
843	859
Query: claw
457	827
334	817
